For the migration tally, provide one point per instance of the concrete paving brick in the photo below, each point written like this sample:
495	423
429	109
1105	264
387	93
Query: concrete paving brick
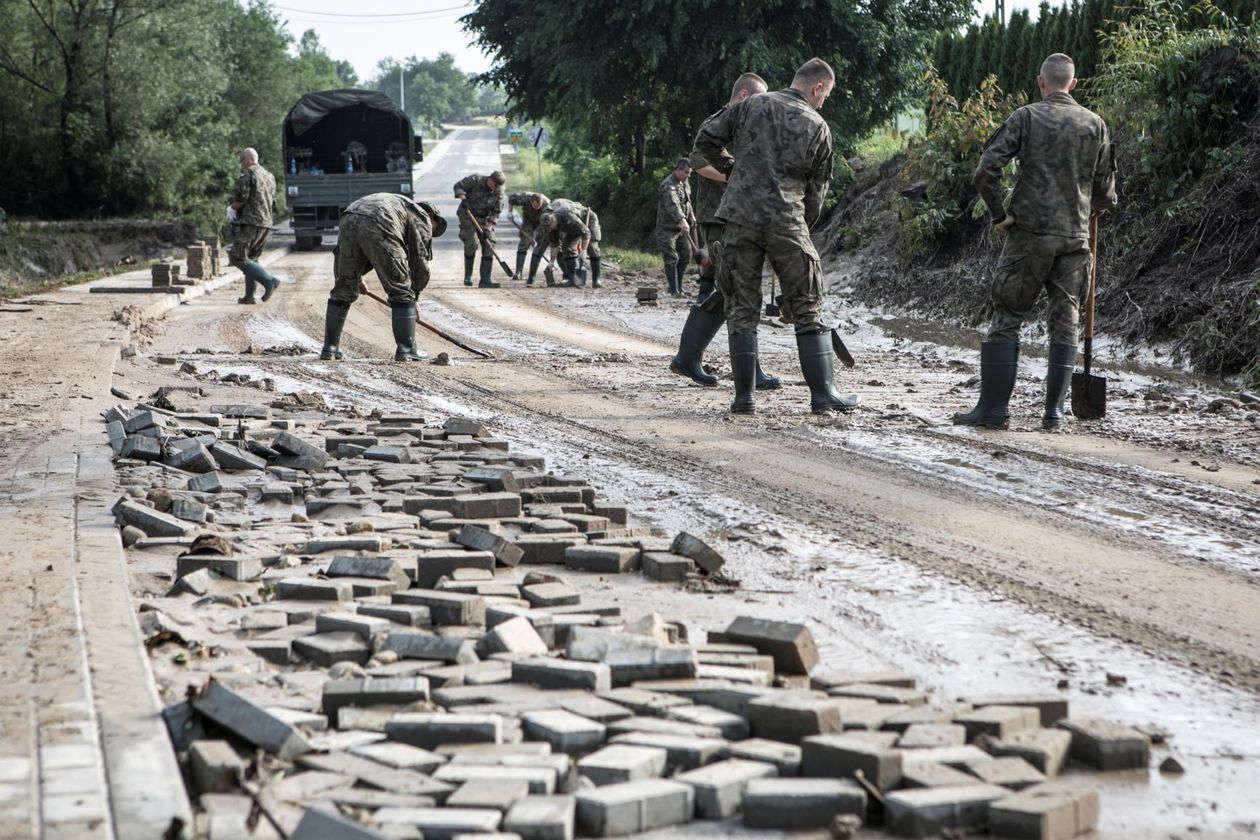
440	823
643	702
683	752
585	523
232	568
141	448
499	794
786	758
606	559
1052	707
542	818
800	804
737	674
728	696
1045	749
370	587
369	566
408	615
791	645
827	680
234	459
749	661
688	545
719	787
791	716
214	766
539	778
550	595
296	717
189	510
998	721
400	756
427	731
446	607
327	649
422	646
371	691
505	552
542	622
287	443
566	732
914	775
630	807
729	726
249	721
881	693
664	727
206	483
595	708
927	812
516	636
366	626
1008	772
593	644
314	589
434	564
617	763
372	543
1084	807
925	735
321	825
666	567
154	523
659	663
956	757
561	673
1107	745
841	756
496	479
927	713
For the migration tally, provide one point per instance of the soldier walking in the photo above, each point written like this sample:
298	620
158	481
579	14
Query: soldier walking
674	220
250	212
708	313
532	207
481	198
392	235
1066	175
774	193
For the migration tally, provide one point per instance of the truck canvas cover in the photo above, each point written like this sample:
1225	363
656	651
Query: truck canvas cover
328	121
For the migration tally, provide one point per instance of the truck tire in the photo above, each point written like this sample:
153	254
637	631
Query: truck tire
309	243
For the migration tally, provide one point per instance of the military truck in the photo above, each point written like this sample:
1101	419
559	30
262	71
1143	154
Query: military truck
340	145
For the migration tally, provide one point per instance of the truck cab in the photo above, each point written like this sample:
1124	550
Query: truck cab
340	145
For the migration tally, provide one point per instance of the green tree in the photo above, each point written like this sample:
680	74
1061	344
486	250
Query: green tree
436	90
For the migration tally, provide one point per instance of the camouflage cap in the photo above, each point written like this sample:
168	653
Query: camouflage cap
498	177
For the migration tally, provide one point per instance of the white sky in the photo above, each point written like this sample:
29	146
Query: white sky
365	32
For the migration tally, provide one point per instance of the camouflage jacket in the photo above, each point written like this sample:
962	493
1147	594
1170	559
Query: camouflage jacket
529	216
577	221
405	222
486	204
709	192
1067	167
673	202
782	161
256	193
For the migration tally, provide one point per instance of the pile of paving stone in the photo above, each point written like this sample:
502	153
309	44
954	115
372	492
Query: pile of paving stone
405	659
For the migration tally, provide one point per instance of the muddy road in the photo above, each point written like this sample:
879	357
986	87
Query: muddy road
1007	561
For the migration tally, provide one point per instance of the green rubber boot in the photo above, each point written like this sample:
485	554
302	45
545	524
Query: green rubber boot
534	261
1058	380
697	333
251	282
999	361
766	382
334	321
403	317
487	268
468	269
818	364
743	347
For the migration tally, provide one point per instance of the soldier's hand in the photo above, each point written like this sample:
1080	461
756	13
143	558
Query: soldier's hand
461	195
363	288
684	227
1006	222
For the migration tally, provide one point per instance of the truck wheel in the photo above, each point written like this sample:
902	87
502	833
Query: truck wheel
308	243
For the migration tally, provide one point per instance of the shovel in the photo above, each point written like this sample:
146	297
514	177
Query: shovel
548	273
772	308
441	333
1089	392
842	352
485	243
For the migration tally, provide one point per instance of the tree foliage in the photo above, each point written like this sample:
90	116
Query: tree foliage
140	106
436	90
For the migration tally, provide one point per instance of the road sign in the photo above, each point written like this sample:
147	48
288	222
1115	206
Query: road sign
538	137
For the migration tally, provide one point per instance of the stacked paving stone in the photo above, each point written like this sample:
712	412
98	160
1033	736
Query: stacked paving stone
409	659
646	296
199	262
216	254
165	274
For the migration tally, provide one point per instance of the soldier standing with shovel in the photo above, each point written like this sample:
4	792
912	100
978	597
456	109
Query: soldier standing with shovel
481	202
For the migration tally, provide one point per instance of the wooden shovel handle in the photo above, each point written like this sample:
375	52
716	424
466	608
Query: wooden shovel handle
1093	278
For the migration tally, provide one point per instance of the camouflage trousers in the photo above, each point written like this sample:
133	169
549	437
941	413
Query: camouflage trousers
569	245
792	256
1031	262
361	248
472	240
528	238
710	239
247	244
674	244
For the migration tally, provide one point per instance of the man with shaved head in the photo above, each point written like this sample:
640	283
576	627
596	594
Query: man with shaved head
250	213
1067	174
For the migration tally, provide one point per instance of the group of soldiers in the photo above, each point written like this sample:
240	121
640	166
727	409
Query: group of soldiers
764	161
561	231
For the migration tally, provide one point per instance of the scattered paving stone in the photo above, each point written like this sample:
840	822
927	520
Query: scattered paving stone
365	566
785	757
684	752
442	648
999	721
564	731
216	767
320	825
719	787
925	735
1106	745
152	522
699	551
797	804
499	794
249	721
791	645
842	756
1045	749
933	775
630	807
504	552
550	595
446	607
1009	772
791	716
327	649
927	812
617	763
428	731
606	559
667	567
827	680
542	818
314	589
440	823
1052	707
561	673
372	691
408	615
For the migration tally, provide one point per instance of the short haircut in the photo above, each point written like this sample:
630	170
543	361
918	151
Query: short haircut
683	163
750	82
250	154
812	72
1058	70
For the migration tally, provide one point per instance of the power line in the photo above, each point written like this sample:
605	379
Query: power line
361	17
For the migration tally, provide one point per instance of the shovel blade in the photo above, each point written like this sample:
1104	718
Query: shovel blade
1089	396
842	352
550	274
581	276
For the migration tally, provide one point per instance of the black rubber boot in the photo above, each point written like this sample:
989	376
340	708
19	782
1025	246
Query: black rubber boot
251	283
766	382
670	268
404	323
595	267
705	288
818	363
468	268
520	264
999	360
269	283
534	261
487	268
1058	380
697	333
568	269
680	271
743	370
334	321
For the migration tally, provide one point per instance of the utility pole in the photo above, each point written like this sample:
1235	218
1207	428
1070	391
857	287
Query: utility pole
402	92
999	10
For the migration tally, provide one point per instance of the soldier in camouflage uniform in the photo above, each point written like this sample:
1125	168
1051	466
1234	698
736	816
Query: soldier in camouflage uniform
674	220
392	235
707	314
774	193
532	207
1066	175
481	196
250	212
576	230
547	235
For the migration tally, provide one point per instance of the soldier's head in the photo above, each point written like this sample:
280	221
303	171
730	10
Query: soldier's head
1058	75
552	221
537	201
682	169
496	180
749	84
248	158
815	81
